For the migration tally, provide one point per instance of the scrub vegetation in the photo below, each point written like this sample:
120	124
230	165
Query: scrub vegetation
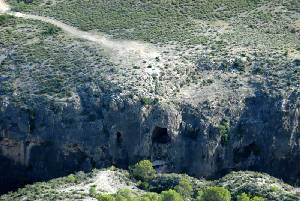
161	187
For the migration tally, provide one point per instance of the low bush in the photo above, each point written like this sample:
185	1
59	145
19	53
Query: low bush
150	197
257	198
71	178
149	101
246	197
125	194
105	197
163	182
51	30
93	191
143	170
170	195
243	197
214	193
224	128
184	188
4	19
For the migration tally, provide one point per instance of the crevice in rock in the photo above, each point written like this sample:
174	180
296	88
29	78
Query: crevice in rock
119	139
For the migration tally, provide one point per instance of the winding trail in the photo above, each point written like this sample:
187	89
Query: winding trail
3	7
119	50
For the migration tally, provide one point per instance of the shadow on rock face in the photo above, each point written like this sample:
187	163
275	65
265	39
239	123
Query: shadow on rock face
266	135
46	161
16	176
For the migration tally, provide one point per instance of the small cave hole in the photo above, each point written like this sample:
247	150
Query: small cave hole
160	135
119	139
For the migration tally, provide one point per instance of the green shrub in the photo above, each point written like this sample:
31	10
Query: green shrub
257	198
105	197
246	197
243	197
125	195
149	101
51	30
150	197
274	189
163	182
144	185
4	19
143	170
224	130
170	195
214	193
71	178
93	191
184	188
238	65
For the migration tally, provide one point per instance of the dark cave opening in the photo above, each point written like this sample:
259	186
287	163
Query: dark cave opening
119	139
160	135
242	154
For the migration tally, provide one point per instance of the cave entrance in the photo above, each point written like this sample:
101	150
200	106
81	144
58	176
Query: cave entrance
242	154
119	139
160	135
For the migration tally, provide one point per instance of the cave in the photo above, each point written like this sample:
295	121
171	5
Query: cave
160	135
242	154
119	139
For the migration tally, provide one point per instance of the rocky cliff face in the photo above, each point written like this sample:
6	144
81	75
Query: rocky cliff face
55	138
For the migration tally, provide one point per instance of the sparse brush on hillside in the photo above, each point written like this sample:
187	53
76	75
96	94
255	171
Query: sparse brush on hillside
146	20
184	190
161	187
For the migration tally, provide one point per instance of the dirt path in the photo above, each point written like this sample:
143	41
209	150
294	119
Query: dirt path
106	181
3	6
122	51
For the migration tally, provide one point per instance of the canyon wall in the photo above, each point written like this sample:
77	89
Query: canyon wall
48	139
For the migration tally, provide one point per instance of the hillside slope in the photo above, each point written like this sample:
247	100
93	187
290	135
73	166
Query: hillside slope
80	186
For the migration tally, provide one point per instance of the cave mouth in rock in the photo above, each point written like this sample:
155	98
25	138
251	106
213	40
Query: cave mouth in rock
160	135
243	153
119	138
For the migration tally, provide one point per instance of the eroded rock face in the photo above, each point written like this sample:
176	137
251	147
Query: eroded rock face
51	139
